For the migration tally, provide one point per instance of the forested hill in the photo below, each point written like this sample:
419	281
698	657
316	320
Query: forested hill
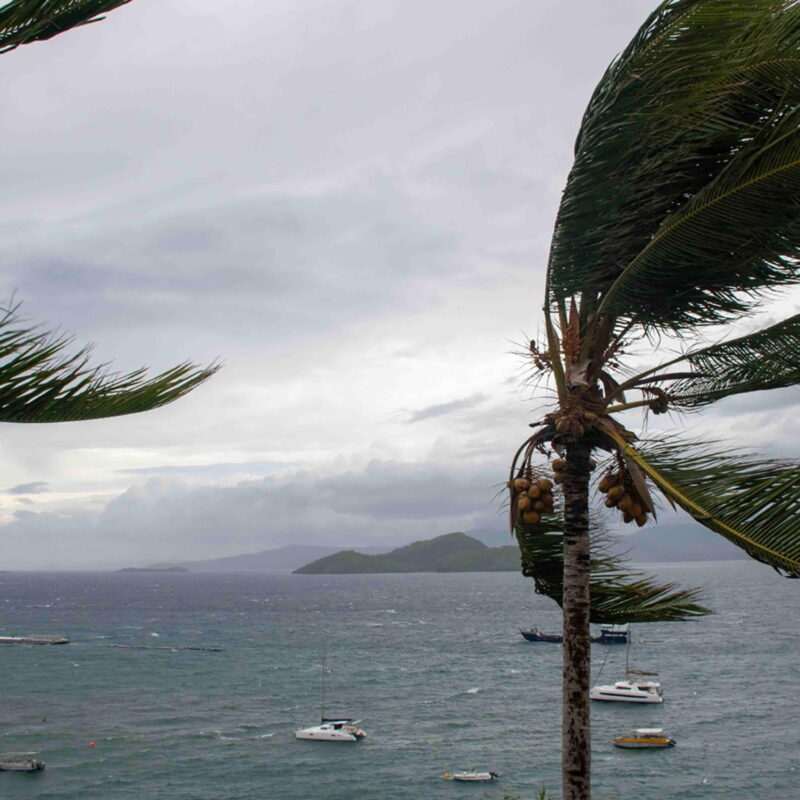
453	552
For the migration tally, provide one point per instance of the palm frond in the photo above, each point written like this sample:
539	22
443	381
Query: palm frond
617	595
40	383
26	21
685	191
754	503
767	359
739	235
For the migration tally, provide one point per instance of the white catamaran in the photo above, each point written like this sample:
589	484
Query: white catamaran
635	689
331	729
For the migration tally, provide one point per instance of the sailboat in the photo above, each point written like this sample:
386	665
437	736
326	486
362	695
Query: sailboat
331	729
634	689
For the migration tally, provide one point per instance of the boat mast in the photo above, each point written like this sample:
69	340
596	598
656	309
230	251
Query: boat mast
322	701
628	654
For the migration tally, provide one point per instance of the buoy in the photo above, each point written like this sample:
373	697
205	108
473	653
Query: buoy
91	744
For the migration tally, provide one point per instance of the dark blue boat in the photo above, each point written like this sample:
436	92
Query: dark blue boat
612	634
609	634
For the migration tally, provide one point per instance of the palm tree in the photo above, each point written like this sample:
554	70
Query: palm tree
39	381
681	214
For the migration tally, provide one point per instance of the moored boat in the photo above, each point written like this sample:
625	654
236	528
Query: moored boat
613	634
644	739
609	634
332	730
470	776
628	692
535	635
634	689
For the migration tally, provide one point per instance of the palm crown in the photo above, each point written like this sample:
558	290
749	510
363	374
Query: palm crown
681	211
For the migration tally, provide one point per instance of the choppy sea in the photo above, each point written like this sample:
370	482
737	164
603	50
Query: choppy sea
433	665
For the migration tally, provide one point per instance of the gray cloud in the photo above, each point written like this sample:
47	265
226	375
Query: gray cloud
447	408
35	487
235	468
772	400
383	503
270	261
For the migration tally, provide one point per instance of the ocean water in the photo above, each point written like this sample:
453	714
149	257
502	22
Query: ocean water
433	664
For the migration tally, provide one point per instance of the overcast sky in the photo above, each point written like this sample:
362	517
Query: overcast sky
351	204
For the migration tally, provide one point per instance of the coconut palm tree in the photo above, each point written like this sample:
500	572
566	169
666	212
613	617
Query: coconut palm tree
681	214
39	380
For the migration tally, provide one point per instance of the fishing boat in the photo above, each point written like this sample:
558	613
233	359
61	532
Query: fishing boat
471	776
644	739
20	762
535	635
613	634
609	634
331	729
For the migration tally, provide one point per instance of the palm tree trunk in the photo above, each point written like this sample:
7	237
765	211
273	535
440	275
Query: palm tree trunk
576	745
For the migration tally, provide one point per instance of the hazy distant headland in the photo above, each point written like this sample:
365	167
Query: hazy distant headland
153	569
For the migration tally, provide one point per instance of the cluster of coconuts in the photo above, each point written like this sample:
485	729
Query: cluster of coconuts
533	499
576	425
621	493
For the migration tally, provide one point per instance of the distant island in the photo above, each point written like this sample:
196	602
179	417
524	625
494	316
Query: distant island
452	552
664	542
153	569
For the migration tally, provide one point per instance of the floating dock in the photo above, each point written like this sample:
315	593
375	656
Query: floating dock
164	647
34	640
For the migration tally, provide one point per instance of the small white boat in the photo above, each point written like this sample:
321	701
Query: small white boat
20	762
332	730
644	739
628	692
470	775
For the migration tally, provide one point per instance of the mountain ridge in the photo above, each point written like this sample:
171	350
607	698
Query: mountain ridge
669	542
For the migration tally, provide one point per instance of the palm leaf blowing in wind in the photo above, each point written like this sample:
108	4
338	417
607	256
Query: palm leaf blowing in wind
681	213
39	380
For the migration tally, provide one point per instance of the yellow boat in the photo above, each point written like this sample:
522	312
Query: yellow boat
644	739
